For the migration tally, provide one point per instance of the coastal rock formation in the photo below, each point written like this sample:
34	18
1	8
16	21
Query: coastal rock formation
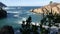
2	5
3	13
7	30
47	8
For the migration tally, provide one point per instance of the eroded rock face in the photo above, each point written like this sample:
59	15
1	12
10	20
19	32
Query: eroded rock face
3	13
45	9
7	30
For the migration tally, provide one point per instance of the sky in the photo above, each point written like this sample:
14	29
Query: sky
27	2
11	2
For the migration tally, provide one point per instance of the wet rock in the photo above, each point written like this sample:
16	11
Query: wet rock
3	13
7	30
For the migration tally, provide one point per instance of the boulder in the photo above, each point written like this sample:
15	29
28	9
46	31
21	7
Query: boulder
7	30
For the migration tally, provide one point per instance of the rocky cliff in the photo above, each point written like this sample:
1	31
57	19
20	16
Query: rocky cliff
2	5
3	13
47	8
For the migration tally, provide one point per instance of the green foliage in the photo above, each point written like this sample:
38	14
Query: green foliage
57	18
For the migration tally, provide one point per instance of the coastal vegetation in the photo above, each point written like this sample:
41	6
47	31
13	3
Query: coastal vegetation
28	28
50	18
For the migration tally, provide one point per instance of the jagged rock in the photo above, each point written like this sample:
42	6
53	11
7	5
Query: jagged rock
2	5
47	8
7	30
3	13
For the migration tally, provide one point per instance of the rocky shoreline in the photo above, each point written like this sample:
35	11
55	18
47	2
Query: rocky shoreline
47	8
3	13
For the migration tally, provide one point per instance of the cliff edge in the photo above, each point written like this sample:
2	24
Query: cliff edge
3	13
47	8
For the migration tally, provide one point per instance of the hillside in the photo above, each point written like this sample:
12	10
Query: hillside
47	8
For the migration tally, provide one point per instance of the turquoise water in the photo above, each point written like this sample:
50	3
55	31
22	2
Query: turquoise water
17	14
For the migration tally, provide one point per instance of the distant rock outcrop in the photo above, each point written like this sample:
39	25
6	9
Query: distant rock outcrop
47	8
2	5
3	13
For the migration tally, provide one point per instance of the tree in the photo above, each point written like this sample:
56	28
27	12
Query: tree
26	27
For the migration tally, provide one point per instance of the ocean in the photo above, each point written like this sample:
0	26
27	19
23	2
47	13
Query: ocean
16	14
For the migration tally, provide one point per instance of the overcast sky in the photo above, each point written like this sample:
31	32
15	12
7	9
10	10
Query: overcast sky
27	2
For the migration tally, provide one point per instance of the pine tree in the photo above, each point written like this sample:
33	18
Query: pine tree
26	27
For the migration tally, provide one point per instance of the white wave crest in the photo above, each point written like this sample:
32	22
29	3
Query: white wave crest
11	12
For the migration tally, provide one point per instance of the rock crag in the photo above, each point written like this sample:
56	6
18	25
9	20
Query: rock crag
47	8
3	13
